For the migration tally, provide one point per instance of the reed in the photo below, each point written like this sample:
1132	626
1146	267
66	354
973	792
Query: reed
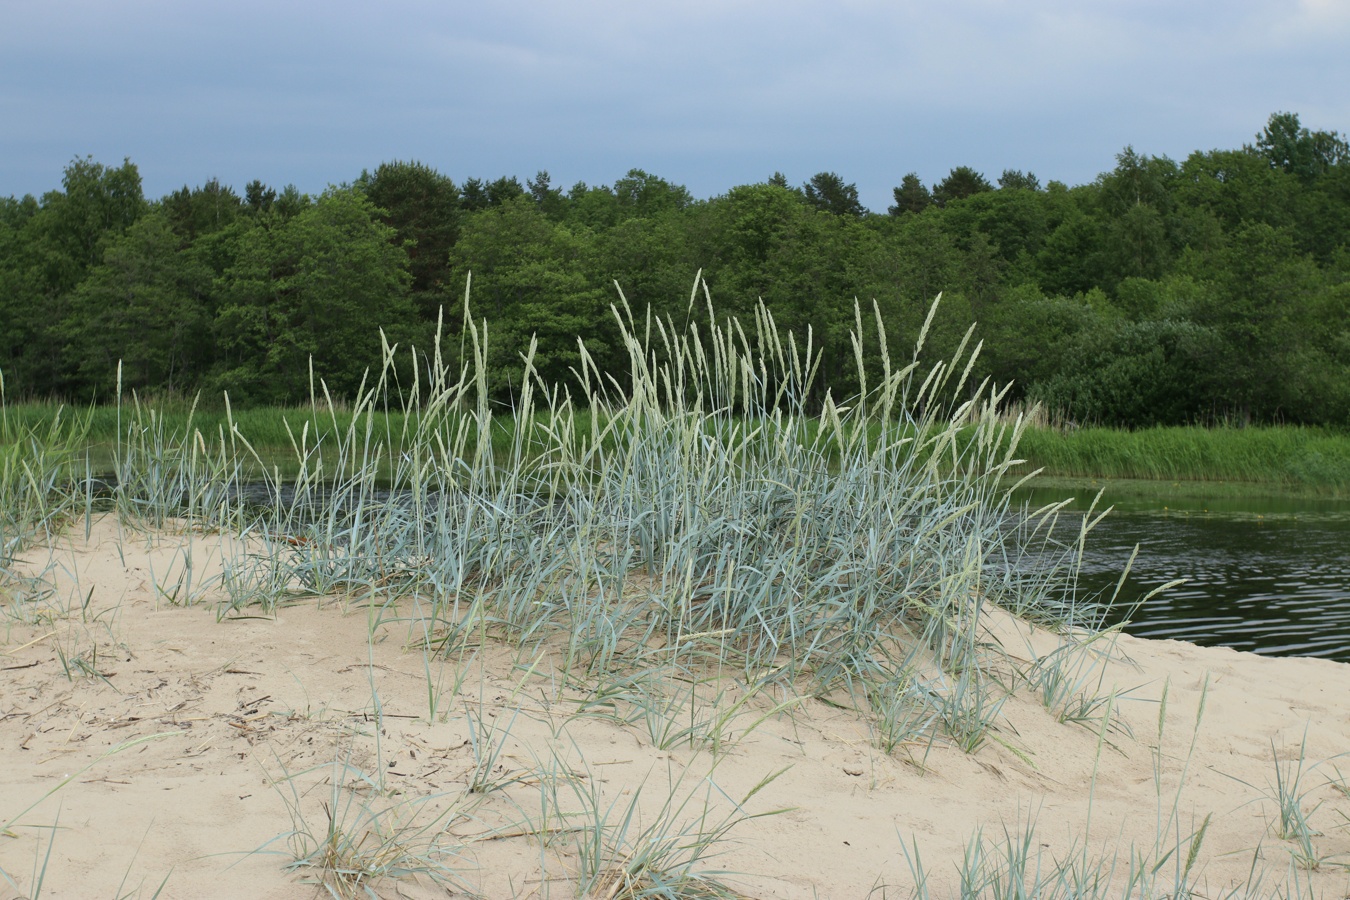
1290	455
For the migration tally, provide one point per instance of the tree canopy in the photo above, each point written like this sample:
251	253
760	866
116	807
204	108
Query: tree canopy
1163	291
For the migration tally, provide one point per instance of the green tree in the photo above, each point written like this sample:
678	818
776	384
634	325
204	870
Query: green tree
530	280
1237	186
1014	220
1069	261
291	202
56	245
423	208
1292	148
652	259
1265	288
95	200
1136	245
551	201
1027	336
1135	374
1323	215
478	194
828	192
639	194
1137	208
907	262
593	207
201	210
143	306
17	293
318	286
910	197
1137	180
1315	384
764	242
1017	180
960	183
258	197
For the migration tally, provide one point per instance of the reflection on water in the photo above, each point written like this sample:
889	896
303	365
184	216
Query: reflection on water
1267	576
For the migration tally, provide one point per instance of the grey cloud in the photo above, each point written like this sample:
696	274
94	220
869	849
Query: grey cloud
707	93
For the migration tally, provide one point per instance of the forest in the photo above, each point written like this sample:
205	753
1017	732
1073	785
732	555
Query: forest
1214	289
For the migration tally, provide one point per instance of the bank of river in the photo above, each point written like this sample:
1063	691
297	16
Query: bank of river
1286	459
1267	574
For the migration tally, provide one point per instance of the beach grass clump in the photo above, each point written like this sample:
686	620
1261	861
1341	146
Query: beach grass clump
40	495
365	835
696	542
706	507
622	855
39	461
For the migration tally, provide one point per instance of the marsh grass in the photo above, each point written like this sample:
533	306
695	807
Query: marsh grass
1292	455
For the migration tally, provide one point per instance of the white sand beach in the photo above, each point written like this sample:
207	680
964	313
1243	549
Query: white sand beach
152	750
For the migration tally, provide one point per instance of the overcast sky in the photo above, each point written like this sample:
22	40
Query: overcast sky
706	94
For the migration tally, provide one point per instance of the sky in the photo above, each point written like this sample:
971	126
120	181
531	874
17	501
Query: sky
705	93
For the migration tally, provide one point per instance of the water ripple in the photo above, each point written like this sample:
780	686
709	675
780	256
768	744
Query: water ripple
1272	584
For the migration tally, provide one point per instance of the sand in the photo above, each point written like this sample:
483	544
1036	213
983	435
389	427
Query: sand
179	753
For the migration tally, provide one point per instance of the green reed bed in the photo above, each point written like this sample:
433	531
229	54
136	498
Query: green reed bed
269	430
265	425
1296	456
1290	455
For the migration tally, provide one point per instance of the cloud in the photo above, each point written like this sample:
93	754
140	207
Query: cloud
706	93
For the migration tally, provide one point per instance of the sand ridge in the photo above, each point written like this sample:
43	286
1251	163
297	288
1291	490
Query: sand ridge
194	746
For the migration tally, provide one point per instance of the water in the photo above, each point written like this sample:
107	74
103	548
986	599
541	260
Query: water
1269	576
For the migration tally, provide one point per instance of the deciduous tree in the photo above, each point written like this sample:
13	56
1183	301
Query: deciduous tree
319	286
423	208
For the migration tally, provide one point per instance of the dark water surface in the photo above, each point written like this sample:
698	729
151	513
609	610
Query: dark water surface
1269	576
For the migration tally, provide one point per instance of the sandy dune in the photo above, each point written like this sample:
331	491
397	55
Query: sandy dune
193	748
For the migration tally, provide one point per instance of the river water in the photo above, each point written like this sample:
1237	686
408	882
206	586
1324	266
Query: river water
1269	576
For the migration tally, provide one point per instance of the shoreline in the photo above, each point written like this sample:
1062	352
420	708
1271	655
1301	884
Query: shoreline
1156	492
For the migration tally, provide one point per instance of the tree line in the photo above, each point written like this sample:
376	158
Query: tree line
1162	292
